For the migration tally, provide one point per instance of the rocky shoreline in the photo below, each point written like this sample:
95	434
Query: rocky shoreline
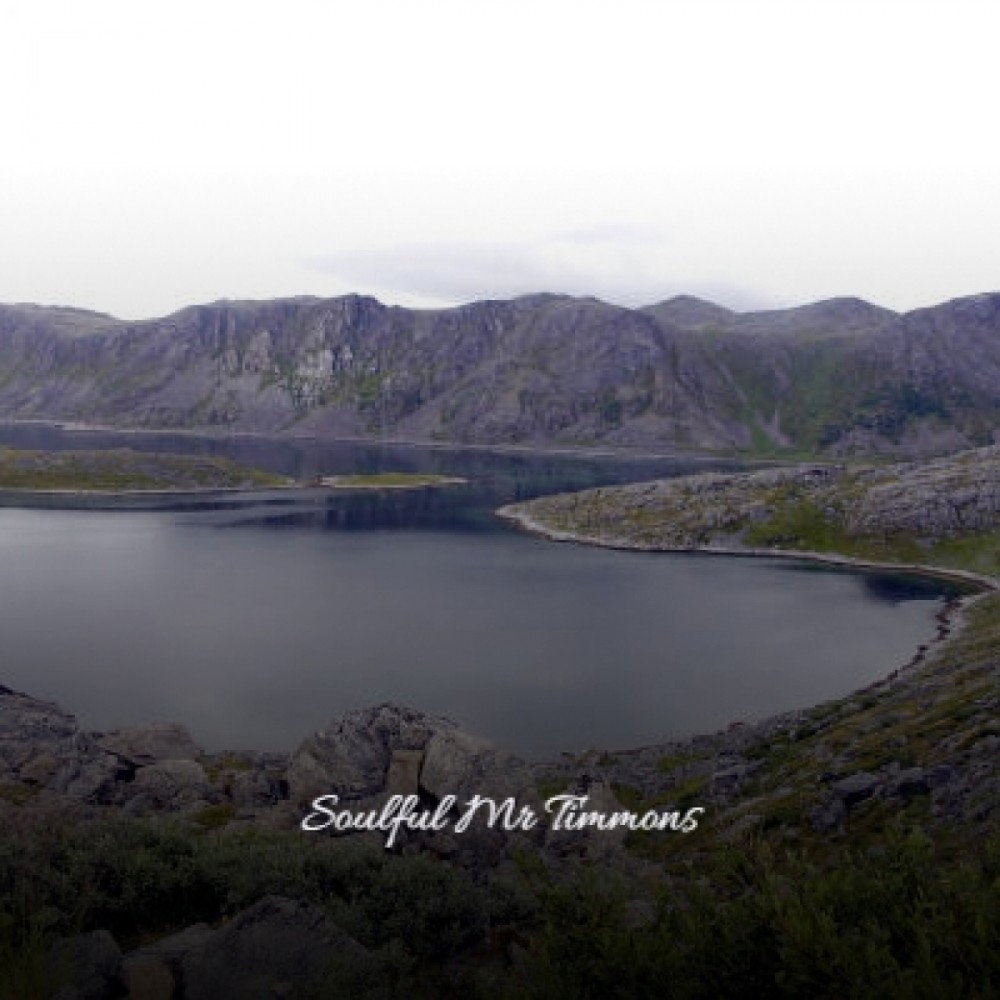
939	518
48	762
515	514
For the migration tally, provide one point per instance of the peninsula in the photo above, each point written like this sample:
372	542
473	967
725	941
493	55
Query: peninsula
940	516
123	469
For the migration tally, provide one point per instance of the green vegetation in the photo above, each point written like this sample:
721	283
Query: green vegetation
124	469
391	480
941	514
671	762
142	879
897	922
216	816
903	919
801	525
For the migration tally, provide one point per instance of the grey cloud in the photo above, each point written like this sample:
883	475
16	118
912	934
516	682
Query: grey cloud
620	270
451	272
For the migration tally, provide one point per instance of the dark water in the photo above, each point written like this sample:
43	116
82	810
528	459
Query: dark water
257	622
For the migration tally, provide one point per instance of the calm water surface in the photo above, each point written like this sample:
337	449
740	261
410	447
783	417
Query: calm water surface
258	623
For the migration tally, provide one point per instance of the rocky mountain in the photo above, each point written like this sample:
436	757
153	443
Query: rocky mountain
836	377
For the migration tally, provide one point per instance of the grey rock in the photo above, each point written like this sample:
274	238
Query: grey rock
457	763
150	744
404	772
909	782
939	775
829	815
276	940
87	773
727	780
253	789
351	758
171	783
171	949
31	731
146	977
40	770
590	841
856	787
85	965
986	746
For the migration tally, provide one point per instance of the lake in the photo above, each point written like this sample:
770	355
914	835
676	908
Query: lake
257	620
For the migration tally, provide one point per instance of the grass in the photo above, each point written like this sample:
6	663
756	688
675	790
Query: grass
124	469
392	480
797	514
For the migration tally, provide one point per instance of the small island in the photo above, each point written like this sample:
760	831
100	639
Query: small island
123	470
389	481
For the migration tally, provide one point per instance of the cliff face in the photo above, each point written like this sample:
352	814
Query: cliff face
840	376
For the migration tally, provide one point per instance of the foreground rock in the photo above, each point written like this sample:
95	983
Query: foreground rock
274	948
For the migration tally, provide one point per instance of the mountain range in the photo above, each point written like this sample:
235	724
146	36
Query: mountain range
836	377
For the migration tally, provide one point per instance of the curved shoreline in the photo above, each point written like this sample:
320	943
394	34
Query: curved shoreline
132	500
949	618
981	582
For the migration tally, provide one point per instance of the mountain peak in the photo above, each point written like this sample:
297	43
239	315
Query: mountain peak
689	312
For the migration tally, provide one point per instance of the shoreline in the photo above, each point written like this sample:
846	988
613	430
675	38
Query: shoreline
981	582
949	619
622	452
132	500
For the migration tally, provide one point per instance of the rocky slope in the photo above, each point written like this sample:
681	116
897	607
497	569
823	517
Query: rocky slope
943	512
841	376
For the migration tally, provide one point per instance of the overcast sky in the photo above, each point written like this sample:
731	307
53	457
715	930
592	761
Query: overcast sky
760	154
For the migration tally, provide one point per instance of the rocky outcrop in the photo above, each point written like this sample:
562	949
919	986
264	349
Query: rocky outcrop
263	952
87	965
352	756
371	754
876	513
33	737
374	751
157	768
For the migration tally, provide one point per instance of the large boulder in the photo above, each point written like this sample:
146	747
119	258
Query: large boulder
85	966
457	763
393	749
351	757
150	744
34	737
266	951
171	784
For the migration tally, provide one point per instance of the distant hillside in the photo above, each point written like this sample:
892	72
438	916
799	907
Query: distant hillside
835	377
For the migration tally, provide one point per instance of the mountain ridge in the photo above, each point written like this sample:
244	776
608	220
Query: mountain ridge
839	376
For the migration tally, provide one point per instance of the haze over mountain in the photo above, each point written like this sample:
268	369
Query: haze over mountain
837	377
